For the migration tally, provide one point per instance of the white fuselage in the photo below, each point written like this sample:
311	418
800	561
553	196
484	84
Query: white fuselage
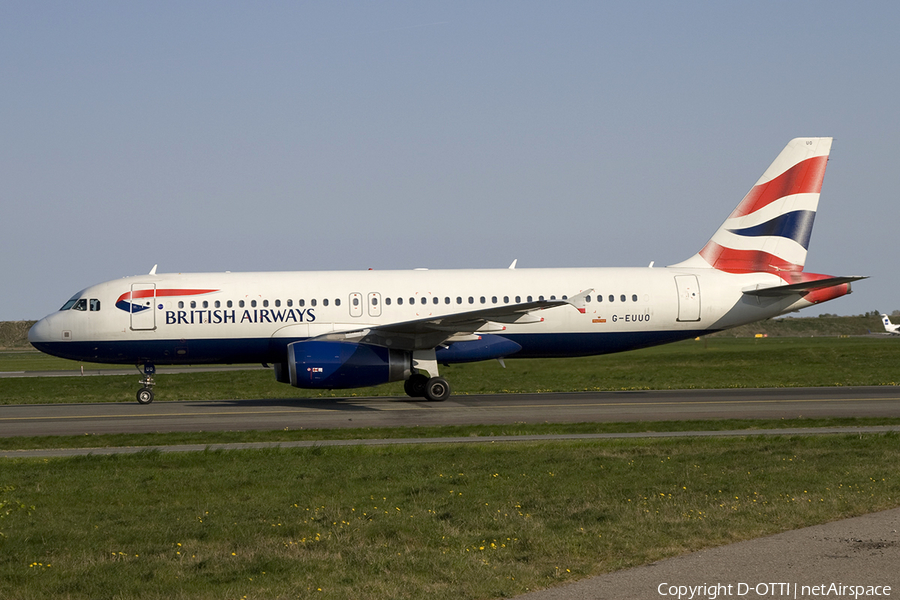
251	317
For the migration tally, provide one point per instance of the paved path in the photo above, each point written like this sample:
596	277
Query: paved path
863	551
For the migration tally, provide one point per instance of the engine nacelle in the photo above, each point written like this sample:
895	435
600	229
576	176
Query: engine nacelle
337	365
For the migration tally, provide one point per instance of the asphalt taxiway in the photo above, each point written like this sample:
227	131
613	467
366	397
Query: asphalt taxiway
350	412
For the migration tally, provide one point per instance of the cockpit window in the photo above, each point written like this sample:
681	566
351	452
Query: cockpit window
70	304
80	304
95	305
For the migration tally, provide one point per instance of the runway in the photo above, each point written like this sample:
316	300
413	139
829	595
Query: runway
242	415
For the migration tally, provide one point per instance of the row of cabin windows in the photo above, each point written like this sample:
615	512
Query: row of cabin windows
374	300
496	300
253	303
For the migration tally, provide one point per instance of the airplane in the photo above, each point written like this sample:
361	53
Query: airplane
348	329
888	326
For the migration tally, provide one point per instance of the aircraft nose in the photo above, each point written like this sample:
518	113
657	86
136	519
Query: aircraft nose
42	332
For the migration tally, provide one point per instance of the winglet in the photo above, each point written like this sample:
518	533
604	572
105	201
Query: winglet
153	270
513	265
579	300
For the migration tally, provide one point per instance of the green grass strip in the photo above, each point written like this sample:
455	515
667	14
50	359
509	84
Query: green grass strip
446	431
474	521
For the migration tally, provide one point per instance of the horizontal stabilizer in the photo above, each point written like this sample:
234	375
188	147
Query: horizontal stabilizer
802	287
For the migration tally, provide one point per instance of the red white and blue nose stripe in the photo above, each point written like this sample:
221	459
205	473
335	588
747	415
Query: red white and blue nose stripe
124	302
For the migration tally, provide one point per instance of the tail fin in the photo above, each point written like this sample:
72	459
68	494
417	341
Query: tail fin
769	230
888	326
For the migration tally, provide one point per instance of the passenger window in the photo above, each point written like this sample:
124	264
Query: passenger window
612	298
471	300
355	301
400	301
494	299
530	298
290	303
387	301
599	298
541	298
193	304
374	300
241	303
325	302
435	300
265	304
218	304
337	302
634	297
205	304
622	297
181	304
81	305
301	302
483	300
412	300
446	299
459	299
518	299
95	305
252	304
229	304
587	298
277	303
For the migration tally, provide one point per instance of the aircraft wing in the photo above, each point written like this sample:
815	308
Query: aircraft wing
800	288
432	331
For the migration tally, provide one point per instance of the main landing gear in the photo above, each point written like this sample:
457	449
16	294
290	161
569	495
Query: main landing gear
433	389
420	385
145	394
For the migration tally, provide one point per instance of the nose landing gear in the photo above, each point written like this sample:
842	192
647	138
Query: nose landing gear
145	394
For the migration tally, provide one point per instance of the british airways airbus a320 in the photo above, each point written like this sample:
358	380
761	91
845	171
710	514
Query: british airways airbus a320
352	329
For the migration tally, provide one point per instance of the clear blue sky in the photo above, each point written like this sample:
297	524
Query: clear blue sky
214	136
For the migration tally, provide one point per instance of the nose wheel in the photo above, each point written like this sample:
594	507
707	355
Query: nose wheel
145	394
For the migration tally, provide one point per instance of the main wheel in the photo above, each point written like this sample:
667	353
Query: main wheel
415	385
145	395
437	389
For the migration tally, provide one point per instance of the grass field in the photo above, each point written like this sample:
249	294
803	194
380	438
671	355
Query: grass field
474	521
482	521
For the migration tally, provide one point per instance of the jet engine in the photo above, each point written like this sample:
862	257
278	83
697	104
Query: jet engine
335	365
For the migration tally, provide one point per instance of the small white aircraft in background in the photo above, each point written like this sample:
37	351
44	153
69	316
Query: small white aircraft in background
888	326
346	329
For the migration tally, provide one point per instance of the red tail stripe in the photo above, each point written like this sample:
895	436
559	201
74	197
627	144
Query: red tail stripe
745	261
803	178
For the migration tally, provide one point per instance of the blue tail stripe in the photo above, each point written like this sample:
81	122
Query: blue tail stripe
795	225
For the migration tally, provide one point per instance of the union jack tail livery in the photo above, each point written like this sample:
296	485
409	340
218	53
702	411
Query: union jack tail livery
769	230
